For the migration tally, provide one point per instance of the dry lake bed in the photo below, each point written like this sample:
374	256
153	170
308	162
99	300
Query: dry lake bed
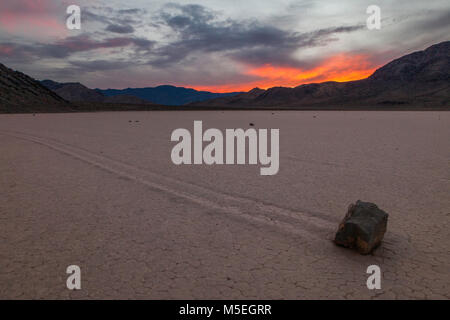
99	190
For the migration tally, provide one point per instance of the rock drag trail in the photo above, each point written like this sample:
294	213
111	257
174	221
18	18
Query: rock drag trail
98	192
252	210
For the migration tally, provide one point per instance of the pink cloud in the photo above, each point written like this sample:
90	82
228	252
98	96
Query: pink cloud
6	50
33	17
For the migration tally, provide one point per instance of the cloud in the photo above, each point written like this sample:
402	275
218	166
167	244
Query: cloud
342	67
213	43
32	18
71	45
119	28
117	21
131	11
199	29
6	50
98	65
437	22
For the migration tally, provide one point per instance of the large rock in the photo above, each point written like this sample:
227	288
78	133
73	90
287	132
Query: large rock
363	227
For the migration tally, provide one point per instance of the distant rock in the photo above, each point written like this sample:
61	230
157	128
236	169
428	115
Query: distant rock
363	227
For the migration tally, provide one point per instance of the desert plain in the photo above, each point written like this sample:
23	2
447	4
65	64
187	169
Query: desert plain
99	190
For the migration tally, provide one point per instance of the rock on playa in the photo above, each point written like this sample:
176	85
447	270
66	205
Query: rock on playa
363	227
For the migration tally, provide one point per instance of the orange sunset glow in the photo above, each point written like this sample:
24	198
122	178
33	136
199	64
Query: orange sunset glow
340	68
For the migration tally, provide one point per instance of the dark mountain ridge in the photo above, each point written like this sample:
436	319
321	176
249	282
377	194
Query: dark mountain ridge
167	95
76	92
418	79
21	93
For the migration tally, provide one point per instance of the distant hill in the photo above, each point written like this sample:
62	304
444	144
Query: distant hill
167	95
418	79
21	93
76	92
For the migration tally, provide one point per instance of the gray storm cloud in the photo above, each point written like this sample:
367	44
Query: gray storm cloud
211	41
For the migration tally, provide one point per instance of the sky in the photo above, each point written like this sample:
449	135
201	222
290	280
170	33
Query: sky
213	45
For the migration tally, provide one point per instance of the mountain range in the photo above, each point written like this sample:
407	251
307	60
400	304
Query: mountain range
418	79
162	95
21	93
167	95
76	92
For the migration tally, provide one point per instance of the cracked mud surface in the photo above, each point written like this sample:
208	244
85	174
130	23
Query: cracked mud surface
97	191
